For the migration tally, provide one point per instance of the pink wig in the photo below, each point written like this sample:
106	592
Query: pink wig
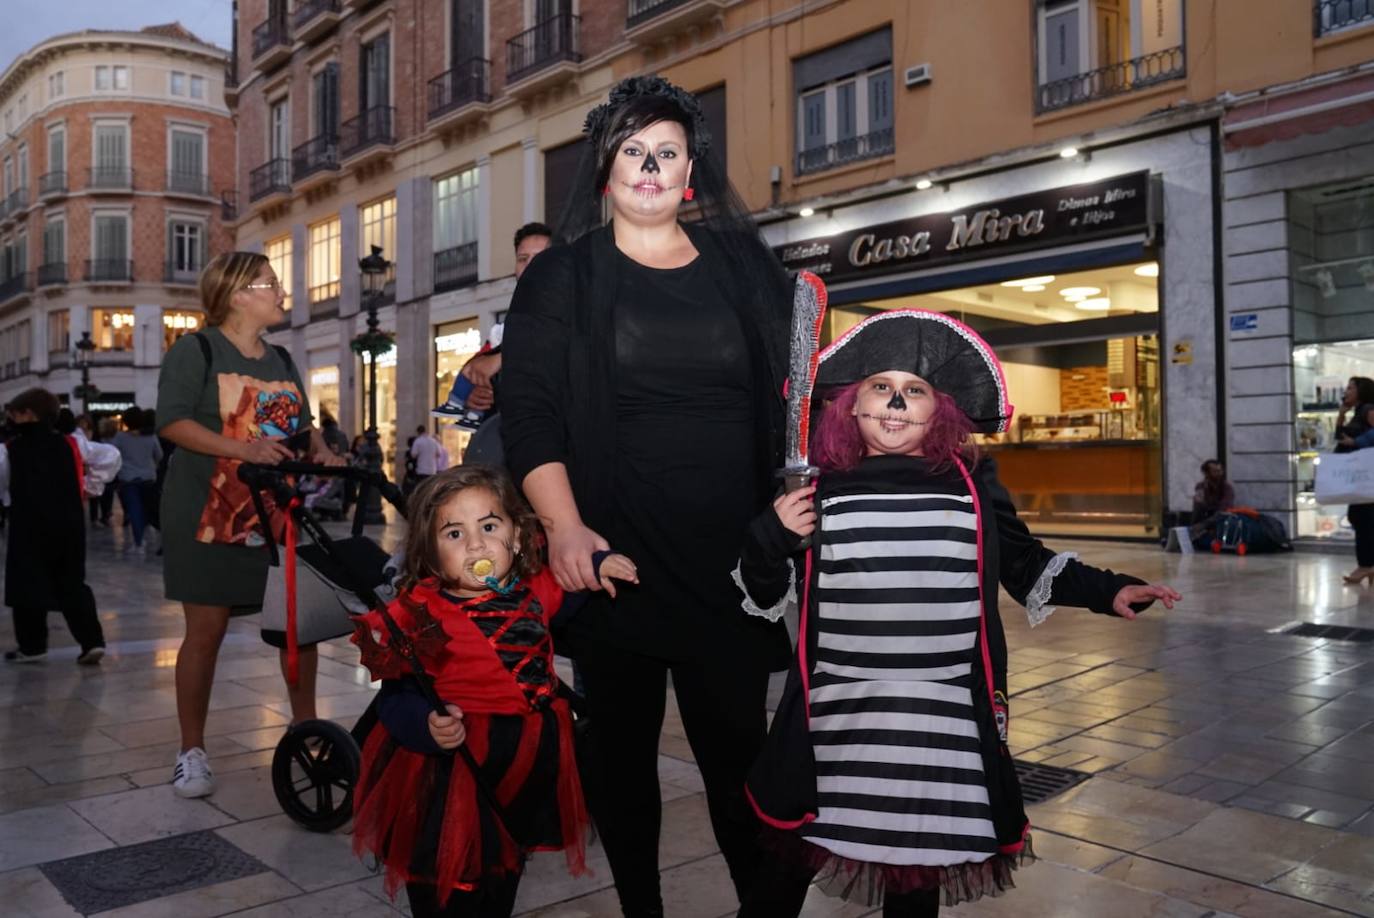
838	446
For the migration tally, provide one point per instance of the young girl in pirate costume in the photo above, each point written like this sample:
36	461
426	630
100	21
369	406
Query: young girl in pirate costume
886	770
475	604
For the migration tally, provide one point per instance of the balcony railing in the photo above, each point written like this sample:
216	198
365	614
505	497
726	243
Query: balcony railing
109	269
271	35
455	267
110	178
181	273
1113	80
13	286
271	177
307	10
52	273
18	200
469	82
850	150
551	41
315	155
638	12
192	183
52	183
1337	15
374	127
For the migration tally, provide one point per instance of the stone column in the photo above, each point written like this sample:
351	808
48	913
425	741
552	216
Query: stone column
414	254
531	211
350	277
300	257
484	217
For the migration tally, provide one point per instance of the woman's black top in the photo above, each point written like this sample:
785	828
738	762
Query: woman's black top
1355	428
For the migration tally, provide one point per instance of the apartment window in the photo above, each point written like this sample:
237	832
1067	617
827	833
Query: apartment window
177	322
375	84
325	97
178	83
1093	49
57	85
113	329
455	229
15	259
9	175
278	252
15	345
57	149
111	155
187	173
379	227
197	87
185	249
325	251
23	107
560	167
1338	15
111	78
59	331
110	253
54	266
844	103
713	110
279	138
467	39
23	159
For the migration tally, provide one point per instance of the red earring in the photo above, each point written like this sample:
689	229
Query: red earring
605	190
689	194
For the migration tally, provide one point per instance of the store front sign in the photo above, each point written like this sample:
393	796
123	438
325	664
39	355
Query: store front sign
1109	207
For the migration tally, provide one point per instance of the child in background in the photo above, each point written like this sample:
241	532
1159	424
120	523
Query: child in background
475	602
886	775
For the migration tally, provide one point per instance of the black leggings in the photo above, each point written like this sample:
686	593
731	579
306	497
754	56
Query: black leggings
492	899
780	890
1361	517
722	706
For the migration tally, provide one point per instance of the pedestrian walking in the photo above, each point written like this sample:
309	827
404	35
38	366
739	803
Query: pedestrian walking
472	574
45	554
641	395
137	482
429	454
886	776
225	397
1357	432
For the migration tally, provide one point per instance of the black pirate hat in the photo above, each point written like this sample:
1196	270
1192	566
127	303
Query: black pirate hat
944	352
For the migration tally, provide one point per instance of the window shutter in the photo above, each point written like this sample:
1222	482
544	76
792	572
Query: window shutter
468	40
331	72
187	154
57	151
110	147
1061	43
846	115
880	101
813	121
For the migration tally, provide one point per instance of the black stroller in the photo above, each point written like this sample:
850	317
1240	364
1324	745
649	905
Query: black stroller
317	762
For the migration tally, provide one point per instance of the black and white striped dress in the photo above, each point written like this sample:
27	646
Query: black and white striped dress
899	773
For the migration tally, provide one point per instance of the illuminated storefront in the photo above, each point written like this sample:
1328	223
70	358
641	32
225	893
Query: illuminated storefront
454	344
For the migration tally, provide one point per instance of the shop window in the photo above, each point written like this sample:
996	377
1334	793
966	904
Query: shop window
112	329
323	386
455	343
59	331
379	228
1088	49
177	322
386	406
278	252
844	103
323	272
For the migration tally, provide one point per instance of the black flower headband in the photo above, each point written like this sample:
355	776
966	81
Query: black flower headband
599	119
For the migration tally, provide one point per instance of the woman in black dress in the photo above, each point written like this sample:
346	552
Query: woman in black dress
1357	432
642	381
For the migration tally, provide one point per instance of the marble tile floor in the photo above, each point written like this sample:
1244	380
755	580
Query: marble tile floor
1233	767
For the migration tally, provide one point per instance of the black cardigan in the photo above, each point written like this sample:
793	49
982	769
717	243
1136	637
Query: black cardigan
558	372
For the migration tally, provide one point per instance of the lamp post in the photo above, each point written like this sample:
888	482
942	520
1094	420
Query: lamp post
83	349
374	269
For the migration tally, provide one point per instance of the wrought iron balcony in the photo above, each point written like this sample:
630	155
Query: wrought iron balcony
464	85
850	150
374	128
104	270
17	201
553	41
455	267
52	184
1113	80
271	43
318	154
110	178
1338	15
314	18
14	286
272	177
195	184
52	273
649	21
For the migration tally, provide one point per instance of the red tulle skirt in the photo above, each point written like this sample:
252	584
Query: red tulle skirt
421	815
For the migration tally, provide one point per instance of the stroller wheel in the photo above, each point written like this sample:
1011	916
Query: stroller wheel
313	772
1241	549
1216	547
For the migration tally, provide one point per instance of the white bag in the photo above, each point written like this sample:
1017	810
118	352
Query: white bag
1346	478
324	598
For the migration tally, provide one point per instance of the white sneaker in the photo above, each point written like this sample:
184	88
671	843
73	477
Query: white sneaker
192	776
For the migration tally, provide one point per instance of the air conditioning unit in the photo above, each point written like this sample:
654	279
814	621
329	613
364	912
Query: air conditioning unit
917	75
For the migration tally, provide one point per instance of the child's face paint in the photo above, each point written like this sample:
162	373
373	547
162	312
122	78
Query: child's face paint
476	540
892	409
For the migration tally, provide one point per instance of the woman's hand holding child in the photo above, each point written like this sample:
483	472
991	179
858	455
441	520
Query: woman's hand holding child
619	567
448	732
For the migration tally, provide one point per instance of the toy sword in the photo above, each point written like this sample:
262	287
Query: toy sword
808	312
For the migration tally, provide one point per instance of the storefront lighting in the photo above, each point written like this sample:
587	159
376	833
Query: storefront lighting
1029	281
806	211
923	184
1096	304
1079	293
1150	270
1032	288
1068	152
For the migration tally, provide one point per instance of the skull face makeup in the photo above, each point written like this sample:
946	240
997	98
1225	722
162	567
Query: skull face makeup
892	409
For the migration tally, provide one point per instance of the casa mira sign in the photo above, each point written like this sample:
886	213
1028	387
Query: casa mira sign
1109	207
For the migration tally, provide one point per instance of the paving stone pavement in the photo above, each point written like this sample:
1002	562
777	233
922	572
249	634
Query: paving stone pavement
1233	767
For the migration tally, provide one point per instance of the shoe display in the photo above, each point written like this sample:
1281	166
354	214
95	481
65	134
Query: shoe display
91	656
18	656
192	776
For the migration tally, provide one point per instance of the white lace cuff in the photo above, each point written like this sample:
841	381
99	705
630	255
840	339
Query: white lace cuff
1037	600
774	612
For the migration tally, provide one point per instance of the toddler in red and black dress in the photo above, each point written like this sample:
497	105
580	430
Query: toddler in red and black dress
476	603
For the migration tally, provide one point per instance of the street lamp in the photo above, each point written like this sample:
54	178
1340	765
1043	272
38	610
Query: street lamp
83	349
374	268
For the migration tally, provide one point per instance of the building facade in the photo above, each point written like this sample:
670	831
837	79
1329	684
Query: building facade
118	169
1056	179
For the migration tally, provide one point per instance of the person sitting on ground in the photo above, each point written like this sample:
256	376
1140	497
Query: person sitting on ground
1212	496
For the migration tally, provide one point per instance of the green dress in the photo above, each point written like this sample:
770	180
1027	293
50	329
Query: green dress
214	551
